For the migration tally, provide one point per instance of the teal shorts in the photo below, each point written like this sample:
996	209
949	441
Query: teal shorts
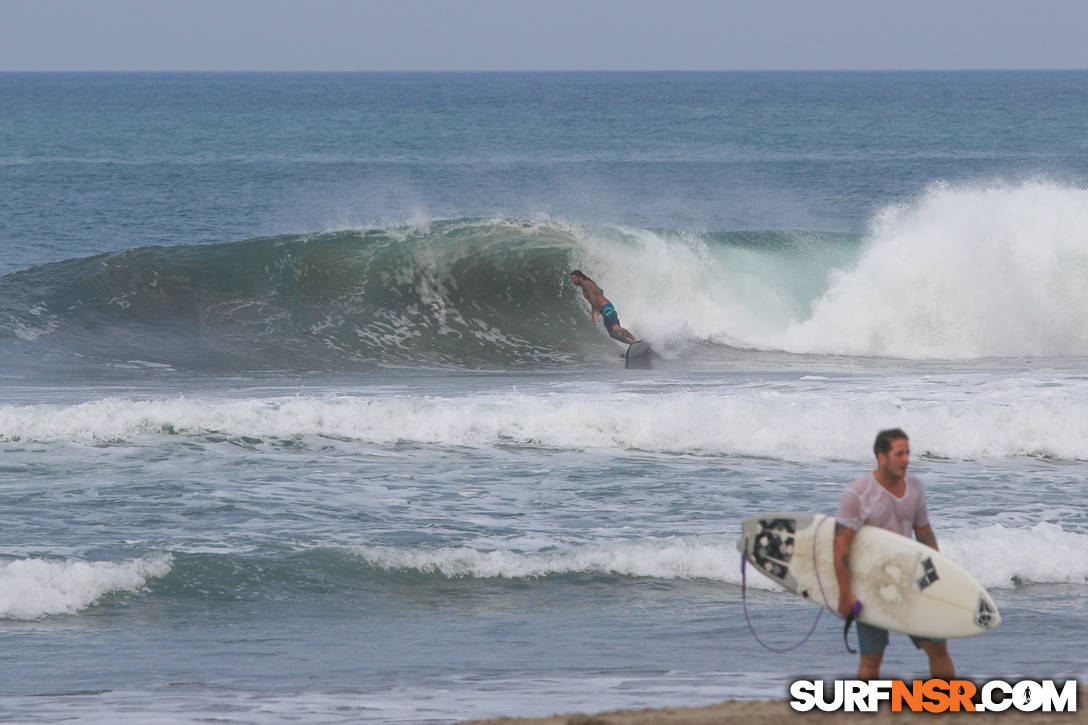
609	316
872	640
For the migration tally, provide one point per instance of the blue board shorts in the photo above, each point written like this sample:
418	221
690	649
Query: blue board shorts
609	316
872	640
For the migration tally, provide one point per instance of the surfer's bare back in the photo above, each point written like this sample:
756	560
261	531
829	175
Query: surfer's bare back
600	304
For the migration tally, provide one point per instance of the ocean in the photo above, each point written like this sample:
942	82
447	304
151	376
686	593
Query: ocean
301	419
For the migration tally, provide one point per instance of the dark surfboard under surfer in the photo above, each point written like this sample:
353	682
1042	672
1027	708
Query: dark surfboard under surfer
638	351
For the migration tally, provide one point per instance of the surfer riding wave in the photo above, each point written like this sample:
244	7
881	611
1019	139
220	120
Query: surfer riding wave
600	304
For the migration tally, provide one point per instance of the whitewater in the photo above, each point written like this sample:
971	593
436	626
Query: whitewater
301	419
736	416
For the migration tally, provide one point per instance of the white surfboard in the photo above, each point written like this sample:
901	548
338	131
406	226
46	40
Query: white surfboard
903	585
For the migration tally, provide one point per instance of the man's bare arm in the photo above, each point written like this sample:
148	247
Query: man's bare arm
925	535
844	536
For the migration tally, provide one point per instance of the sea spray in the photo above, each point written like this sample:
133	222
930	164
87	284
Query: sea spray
961	272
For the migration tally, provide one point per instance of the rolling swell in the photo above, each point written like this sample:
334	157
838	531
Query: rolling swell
1001	556
452	293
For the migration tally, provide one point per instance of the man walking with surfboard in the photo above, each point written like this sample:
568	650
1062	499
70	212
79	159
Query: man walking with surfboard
892	500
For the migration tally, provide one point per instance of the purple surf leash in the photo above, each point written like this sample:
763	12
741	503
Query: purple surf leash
850	618
748	619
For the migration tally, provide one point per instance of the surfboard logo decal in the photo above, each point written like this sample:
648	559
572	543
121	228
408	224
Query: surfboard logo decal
929	574
985	614
787	525
772	548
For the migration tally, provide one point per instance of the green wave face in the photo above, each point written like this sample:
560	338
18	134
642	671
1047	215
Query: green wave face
459	293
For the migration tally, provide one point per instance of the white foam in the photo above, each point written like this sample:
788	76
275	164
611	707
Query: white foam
998	556
712	558
961	272
999	417
675	287
34	588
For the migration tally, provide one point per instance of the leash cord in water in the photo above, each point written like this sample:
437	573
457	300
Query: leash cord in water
748	619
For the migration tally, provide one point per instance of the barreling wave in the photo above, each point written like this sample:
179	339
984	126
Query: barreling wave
958	273
456	293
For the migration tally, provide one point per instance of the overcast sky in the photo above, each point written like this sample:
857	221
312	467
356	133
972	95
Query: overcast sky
475	35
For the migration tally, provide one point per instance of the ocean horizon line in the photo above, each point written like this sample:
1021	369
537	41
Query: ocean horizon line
526	71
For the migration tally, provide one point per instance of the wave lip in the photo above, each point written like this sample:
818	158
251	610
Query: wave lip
36	588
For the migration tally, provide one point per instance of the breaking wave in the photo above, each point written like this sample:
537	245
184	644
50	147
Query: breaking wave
1003	419
34	588
958	273
998	556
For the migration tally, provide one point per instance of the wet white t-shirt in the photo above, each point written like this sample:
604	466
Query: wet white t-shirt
865	501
